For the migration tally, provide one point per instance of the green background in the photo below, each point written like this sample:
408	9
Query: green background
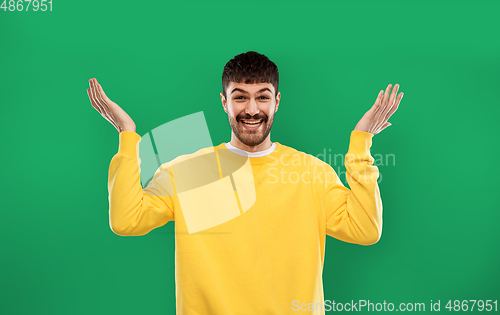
163	60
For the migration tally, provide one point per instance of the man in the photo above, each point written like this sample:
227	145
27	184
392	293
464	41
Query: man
259	248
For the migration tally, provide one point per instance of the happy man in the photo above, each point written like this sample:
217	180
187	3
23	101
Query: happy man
260	247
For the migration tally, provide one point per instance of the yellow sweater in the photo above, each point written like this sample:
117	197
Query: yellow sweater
249	232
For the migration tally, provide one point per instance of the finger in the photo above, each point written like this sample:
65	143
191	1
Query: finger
104	100
101	91
394	107
93	96
389	108
393	94
382	127
104	109
383	116
107	104
376	105
386	94
383	103
89	92
387	124
98	97
92	101
97	90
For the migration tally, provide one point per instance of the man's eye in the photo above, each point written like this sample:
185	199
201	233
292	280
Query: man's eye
238	98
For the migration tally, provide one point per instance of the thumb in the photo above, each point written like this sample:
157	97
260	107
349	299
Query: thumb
387	124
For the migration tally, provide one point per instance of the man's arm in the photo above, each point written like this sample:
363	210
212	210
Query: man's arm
354	215
132	210
135	211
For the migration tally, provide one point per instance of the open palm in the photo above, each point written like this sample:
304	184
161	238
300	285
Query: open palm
375	120
109	109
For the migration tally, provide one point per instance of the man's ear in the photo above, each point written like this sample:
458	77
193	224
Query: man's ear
278	97
223	100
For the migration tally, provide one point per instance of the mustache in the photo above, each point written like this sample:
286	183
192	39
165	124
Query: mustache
256	117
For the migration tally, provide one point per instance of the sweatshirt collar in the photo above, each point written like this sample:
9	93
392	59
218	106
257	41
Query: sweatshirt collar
250	154
271	157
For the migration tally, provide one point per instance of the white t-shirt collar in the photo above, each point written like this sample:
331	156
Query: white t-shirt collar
241	152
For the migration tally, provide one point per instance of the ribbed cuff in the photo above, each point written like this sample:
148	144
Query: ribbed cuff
129	143
361	141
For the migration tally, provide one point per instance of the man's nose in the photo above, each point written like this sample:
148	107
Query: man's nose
252	108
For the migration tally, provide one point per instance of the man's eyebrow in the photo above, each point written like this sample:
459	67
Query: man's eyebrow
245	92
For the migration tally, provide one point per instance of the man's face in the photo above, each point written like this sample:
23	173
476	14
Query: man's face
250	109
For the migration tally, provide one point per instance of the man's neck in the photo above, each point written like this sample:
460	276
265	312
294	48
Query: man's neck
266	144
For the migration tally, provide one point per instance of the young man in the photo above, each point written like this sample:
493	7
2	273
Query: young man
251	216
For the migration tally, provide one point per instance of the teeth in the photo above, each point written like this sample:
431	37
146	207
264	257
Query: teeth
251	122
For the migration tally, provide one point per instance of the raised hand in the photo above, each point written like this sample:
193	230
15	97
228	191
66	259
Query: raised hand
375	120
109	109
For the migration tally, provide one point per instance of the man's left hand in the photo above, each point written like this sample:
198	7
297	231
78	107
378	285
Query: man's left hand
375	120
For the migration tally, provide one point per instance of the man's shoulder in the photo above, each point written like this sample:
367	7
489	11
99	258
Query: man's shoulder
203	153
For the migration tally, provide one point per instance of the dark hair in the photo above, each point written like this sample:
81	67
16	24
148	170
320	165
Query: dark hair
254	67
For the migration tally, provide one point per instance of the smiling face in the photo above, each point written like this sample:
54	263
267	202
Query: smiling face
250	109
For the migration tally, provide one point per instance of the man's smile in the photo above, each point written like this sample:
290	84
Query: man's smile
251	124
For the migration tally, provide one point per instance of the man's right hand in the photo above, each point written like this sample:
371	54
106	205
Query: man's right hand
109	109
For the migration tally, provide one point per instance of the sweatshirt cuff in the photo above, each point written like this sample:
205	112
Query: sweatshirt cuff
129	143
361	141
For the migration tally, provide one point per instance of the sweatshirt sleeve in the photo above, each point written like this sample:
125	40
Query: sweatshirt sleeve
135	211
355	215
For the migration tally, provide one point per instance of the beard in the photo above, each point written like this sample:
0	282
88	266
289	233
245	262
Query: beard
251	137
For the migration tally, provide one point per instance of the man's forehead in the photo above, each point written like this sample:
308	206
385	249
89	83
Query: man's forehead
249	87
